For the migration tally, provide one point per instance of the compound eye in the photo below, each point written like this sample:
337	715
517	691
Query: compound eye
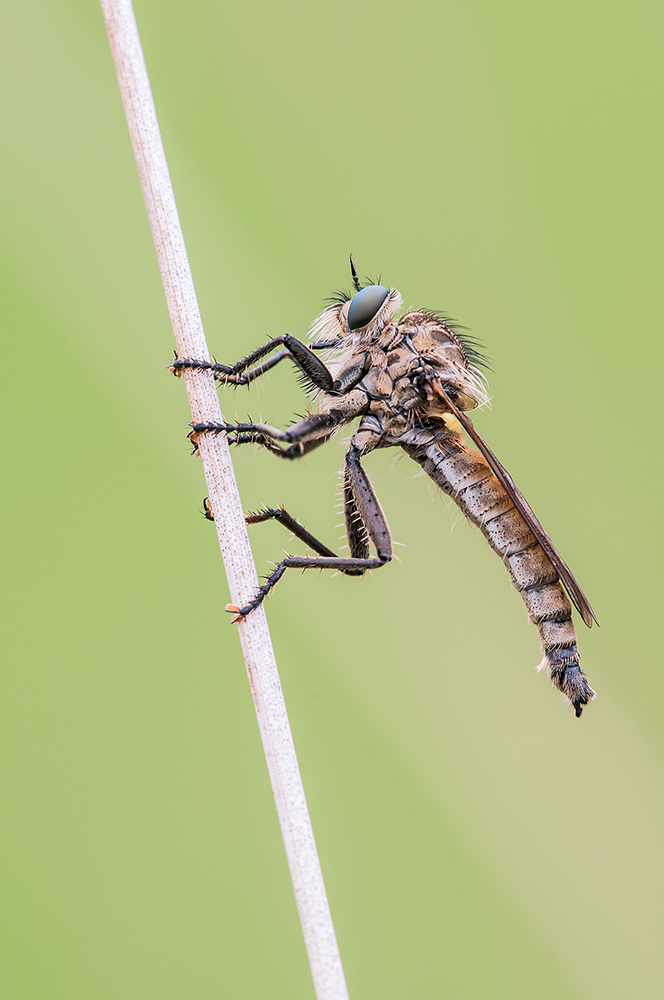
365	305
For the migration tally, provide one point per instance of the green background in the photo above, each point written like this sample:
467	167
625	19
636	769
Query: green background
501	162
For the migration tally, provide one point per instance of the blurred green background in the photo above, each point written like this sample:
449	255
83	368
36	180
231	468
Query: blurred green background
501	162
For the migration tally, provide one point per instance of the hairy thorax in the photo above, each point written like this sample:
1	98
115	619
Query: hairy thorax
395	396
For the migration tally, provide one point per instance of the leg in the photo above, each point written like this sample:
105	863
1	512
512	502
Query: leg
281	515
313	370
294	451
224	374
364	519
364	515
302	437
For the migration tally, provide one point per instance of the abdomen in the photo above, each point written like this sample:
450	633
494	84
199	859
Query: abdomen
464	475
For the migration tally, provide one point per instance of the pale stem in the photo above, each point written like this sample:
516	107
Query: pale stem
310	895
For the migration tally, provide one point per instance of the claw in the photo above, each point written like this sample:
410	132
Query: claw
234	610
193	437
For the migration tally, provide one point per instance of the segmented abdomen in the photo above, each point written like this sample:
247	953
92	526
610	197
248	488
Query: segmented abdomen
465	476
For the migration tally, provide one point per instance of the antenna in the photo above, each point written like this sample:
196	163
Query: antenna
353	271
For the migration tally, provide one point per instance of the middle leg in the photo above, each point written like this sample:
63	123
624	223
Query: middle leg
302	437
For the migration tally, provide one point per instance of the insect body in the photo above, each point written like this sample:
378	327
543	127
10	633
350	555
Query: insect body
410	381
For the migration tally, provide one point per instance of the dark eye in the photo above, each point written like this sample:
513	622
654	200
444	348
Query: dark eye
365	305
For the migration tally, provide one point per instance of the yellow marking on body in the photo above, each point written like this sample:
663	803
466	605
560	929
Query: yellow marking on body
452	422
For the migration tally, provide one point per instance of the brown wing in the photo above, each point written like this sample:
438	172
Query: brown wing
579	599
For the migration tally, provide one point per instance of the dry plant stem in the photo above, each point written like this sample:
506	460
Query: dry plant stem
320	940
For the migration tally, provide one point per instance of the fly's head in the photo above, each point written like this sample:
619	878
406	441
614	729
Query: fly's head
357	319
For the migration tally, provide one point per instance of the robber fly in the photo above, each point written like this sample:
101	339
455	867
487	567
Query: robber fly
410	381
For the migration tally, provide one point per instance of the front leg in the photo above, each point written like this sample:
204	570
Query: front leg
315	373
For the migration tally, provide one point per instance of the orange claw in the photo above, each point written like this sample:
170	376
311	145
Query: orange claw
193	437
234	610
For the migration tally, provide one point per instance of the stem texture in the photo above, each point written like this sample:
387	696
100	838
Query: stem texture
310	895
